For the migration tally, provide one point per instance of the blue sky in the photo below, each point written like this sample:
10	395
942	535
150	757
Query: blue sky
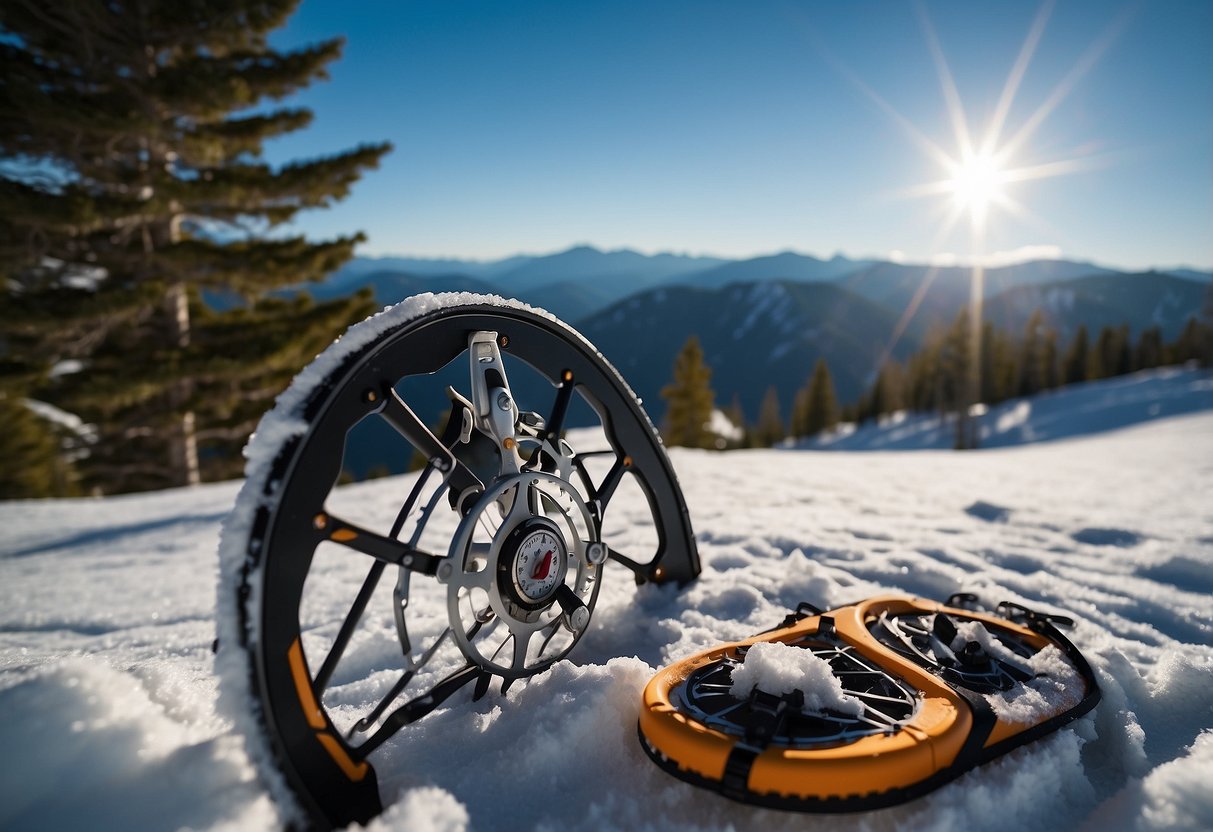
739	129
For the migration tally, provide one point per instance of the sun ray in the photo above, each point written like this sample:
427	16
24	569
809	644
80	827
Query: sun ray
1015	77
937	188
1086	61
819	45
1047	170
947	84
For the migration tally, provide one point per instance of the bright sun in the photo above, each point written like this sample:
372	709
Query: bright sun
976	182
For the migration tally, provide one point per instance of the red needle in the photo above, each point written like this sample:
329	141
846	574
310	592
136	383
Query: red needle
541	570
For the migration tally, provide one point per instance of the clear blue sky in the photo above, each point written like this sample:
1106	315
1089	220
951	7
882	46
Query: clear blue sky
743	128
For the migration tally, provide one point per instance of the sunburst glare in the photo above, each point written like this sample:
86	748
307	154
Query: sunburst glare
977	181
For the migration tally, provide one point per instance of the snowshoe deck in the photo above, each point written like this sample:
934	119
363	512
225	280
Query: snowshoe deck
914	693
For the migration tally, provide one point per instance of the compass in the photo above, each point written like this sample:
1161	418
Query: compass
533	563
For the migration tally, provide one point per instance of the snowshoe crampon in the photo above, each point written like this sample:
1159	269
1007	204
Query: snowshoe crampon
864	706
494	551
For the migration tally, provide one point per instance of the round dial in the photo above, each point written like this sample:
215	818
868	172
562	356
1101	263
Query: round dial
540	564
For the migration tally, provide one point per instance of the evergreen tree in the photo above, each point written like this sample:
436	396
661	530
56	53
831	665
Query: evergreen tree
1195	343
136	184
1037	357
1049	361
1148	353
999	373
886	395
923	373
1112	353
689	400
816	404
1074	365
33	466
770	428
957	390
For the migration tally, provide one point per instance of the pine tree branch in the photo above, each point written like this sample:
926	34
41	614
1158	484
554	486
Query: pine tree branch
260	264
214	143
207	86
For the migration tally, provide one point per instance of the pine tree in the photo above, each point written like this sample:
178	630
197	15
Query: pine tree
1035	364
770	428
816	407
1074	365
999	373
1148	352
1112	355
886	395
136	134
957	387
32	466
1049	361
689	399
923	373
1195	343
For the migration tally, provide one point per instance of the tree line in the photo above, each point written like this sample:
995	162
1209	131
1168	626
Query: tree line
937	378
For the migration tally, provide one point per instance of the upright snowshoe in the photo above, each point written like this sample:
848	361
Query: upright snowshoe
499	542
864	706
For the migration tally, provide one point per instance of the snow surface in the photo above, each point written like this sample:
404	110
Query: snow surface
778	668
109	695
1075	410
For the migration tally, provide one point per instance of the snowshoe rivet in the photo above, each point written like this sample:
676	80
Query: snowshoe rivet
445	571
577	620
503	400
508	443
504	341
370	396
627	462
320	521
596	553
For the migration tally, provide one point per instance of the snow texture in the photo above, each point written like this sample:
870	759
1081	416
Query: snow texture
1055	686
777	668
113	717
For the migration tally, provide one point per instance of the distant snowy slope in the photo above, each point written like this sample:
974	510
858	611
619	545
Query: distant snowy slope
1071	411
108	696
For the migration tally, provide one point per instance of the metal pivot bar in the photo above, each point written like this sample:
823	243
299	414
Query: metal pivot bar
494	409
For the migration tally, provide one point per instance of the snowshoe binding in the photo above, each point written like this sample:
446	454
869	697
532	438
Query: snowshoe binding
864	706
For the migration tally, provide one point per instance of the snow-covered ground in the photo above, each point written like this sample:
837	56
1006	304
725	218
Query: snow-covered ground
1075	410
107	693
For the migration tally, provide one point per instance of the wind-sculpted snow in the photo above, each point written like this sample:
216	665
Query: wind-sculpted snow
108	692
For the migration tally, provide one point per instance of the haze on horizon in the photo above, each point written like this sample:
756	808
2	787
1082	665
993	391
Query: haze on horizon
737	131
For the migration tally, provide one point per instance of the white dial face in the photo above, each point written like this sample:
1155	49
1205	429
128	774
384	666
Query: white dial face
540	564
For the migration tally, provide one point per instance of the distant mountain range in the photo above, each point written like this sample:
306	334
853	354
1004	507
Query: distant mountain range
754	335
1139	300
766	320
